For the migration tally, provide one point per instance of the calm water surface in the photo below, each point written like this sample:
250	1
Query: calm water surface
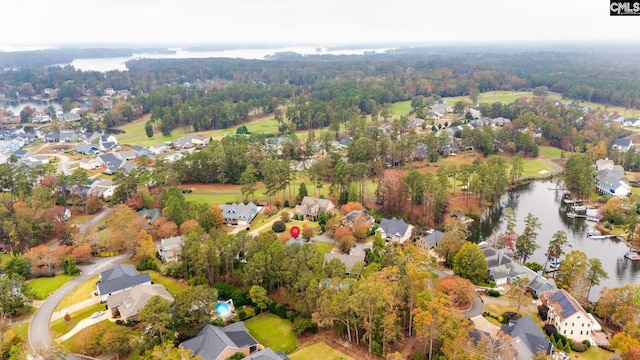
538	198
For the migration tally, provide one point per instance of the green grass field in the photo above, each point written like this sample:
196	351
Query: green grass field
274	332
319	350
323	246
60	327
400	108
21	330
173	286
135	133
42	287
80	293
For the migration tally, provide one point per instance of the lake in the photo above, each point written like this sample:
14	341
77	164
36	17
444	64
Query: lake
538	198
119	63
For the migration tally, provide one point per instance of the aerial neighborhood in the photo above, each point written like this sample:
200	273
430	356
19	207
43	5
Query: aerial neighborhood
367	207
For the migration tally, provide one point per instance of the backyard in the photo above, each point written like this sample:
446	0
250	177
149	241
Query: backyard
273	331
44	286
319	350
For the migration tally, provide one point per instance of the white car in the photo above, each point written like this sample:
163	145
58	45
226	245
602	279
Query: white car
97	314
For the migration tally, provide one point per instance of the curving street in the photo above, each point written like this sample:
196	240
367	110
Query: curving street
39	334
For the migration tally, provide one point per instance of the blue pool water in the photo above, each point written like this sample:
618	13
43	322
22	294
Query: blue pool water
223	309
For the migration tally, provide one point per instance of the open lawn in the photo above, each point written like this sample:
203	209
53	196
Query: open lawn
73	344
273	331
497	309
323	246
594	353
135	133
60	327
400	108
319	350
21	330
80	293
44	286
173	286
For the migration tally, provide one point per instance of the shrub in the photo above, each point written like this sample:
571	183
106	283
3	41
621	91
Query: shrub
494	293
286	204
278	226
285	217
281	311
242	315
579	347
586	342
218	322
550	330
301	324
510	315
543	311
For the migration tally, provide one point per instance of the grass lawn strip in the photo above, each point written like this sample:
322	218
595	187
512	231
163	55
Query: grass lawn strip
323	246
44	286
71	345
273	331
319	350
60	327
173	286
80	293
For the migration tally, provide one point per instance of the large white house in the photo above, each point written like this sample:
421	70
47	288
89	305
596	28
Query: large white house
395	230
567	315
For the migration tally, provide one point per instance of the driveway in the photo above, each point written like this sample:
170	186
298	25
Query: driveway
39	334
63	165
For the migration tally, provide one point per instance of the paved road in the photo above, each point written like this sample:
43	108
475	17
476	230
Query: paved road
63	165
39	334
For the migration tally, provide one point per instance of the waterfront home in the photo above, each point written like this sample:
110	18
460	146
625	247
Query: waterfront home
567	315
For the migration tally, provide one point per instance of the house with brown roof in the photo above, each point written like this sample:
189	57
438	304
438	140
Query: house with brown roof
567	315
128	303
311	207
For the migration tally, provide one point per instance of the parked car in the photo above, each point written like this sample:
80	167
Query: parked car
97	314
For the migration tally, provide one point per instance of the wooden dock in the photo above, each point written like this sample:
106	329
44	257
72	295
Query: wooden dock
603	237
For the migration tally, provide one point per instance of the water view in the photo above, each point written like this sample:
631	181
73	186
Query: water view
539	199
119	63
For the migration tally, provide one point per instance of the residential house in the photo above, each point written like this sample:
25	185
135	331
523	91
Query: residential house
128	303
141	150
567	315
311	207
189	141
430	240
435	115
112	161
108	143
604	164
239	214
91	163
612	181
128	166
127	155
502	267
169	249
358	217
442	107
267	354
218	343
52	137
527	338
540	284
102	188
356	255
34	160
622	145
68	117
120	278
345	141
395	230
86	149
68	136
158	149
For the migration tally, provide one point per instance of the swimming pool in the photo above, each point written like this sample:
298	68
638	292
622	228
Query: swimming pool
223	309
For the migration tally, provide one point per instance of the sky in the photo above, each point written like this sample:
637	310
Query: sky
37	23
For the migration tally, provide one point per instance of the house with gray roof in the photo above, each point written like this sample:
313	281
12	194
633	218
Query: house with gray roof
86	149
68	136
169	249
52	137
356	255
358	216
141	150
311	207
430	240
622	145
395	230
120	278
127	155
239	214
527	338
112	161
267	354
502	267
218	343
612	182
